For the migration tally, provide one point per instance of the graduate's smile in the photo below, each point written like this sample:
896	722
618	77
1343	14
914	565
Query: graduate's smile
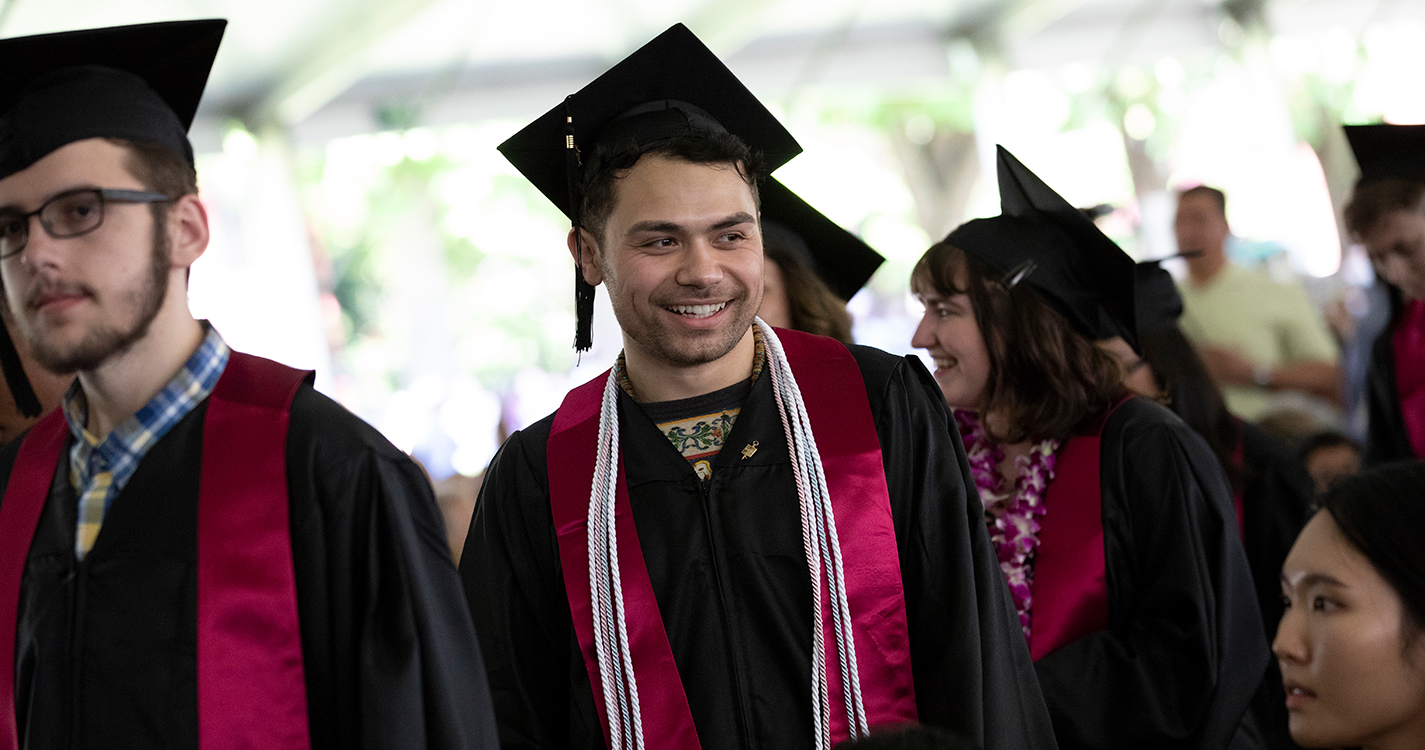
696	311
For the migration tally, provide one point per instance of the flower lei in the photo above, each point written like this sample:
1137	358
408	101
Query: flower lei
1012	519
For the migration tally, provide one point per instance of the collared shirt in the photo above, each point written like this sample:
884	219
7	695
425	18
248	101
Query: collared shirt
100	469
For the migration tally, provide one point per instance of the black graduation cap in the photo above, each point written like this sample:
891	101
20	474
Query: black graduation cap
1388	151
1157	302
141	83
1040	239
839	257
671	86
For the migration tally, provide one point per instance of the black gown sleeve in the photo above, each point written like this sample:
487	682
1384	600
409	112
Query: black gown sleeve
973	674
1276	498
393	661
515	587
1184	650
1386	439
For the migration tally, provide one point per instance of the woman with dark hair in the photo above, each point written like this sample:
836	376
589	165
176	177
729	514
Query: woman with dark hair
1270	488
793	296
1350	646
811	266
1112	521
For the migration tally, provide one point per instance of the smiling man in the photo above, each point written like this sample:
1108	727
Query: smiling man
738	537
196	548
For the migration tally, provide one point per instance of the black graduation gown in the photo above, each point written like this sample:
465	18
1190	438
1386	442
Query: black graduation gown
1386	438
1276	501
106	652
729	574
1184	651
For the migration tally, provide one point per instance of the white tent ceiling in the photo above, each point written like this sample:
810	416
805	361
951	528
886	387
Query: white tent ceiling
323	67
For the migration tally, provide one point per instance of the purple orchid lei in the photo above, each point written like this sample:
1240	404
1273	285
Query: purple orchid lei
1013	520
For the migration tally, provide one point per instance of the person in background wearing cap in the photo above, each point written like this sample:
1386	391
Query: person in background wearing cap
197	548
1257	336
1271	491
806	564
805	254
1386	213
1113	522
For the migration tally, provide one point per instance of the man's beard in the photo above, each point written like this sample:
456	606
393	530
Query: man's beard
108	340
696	349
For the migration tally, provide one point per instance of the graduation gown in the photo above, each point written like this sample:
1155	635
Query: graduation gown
727	567
1276	500
106	648
1386	438
1183	653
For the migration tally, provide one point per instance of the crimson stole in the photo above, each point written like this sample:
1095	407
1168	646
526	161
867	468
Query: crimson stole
1408	346
836	402
251	684
1070	578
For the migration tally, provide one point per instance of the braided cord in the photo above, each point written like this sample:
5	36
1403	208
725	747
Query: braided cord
815	499
610	620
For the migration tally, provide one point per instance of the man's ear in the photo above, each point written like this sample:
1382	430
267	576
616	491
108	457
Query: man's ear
187	230
589	262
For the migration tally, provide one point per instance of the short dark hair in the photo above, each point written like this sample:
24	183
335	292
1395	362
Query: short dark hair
1372	200
611	162
1218	197
1045	377
1380	512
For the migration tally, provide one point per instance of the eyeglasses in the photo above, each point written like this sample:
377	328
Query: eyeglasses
69	214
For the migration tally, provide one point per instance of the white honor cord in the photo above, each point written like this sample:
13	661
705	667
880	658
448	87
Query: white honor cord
620	686
815	501
823	551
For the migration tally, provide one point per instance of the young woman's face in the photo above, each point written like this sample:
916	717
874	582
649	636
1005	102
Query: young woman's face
1353	674
950	333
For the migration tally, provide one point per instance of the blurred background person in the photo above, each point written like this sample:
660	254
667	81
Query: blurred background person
1386	213
1329	455
1113	523
31	390
1350	646
811	266
1257	336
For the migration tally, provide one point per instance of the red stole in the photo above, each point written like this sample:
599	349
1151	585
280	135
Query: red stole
1070	584
251	685
835	397
1408	346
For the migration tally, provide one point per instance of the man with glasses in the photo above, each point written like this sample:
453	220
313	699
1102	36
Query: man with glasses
196	548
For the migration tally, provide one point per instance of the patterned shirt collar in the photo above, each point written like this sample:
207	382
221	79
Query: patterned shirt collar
122	450
759	360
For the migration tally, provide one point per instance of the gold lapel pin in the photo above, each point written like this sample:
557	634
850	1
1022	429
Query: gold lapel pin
749	450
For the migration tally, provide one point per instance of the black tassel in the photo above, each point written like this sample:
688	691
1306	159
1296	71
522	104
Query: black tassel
25	399
583	309
583	290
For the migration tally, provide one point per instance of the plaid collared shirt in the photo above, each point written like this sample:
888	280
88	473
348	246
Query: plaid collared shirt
99	470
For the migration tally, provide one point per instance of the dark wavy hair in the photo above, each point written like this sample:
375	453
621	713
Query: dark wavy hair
813	306
1046	379
610	162
1381	511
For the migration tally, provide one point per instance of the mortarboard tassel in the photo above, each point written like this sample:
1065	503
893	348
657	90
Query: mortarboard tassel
25	399
583	290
